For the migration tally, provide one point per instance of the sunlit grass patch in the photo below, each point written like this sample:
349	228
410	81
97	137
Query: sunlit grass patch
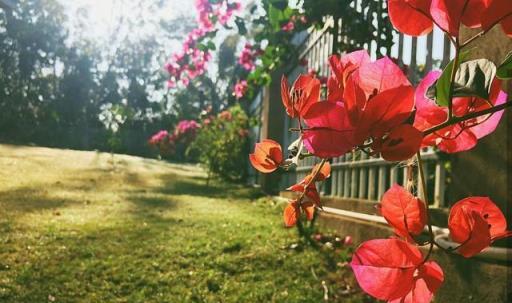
75	228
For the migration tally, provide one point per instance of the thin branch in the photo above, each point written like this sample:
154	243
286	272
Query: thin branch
467	42
455	66
315	175
473	115
425	199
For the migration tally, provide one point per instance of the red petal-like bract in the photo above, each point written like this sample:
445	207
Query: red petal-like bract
402	143
330	133
291	214
324	173
379	76
385	111
267	156
475	222
473	13
354	99
426	283
411	17
498	11
404	212
311	192
385	268
304	93
309	210
448	14
341	69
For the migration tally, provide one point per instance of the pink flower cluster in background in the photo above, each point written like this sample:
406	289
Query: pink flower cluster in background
187	128
290	26
158	137
191	62
248	56
184	133
240	89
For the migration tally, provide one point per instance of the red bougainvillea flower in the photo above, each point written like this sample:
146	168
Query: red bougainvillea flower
267	156
404	212
463	136
311	191
383	118
369	81
377	98
304	93
292	212
411	17
498	11
393	270
384	112
330	133
341	69
476	222
417	17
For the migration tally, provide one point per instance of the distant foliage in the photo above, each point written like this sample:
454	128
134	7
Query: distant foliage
222	144
56	88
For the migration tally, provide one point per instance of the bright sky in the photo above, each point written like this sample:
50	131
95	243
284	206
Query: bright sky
102	14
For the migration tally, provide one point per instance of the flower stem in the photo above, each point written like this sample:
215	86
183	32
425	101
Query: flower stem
422	182
455	120
315	175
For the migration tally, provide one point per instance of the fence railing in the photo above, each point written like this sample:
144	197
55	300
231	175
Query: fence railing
356	176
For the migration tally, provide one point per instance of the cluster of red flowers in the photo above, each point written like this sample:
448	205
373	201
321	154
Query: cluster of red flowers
366	102
185	133
372	107
403	274
192	62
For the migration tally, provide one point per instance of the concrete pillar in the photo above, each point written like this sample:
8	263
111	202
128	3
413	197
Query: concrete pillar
272	127
484	171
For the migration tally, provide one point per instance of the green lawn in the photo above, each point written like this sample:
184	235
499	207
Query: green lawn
76	228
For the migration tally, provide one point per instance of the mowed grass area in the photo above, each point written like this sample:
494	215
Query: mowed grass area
74	227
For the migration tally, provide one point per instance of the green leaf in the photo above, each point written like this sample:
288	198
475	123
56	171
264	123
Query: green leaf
440	91
211	46
474	78
505	69
202	47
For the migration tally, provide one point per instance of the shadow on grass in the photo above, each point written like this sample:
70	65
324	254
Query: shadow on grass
196	186
31	199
